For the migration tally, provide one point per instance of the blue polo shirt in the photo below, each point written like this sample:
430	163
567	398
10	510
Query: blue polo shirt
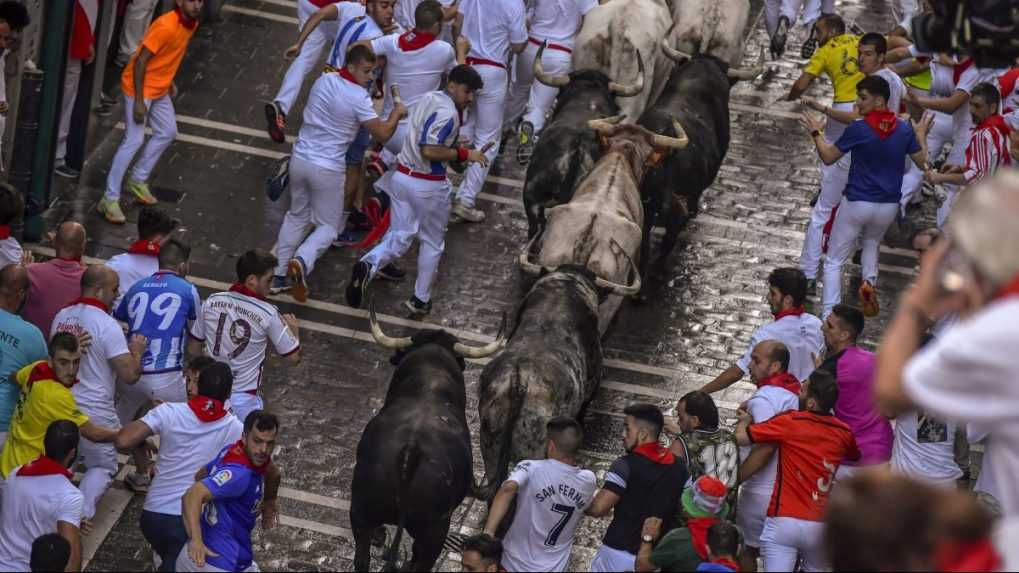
21	344
875	173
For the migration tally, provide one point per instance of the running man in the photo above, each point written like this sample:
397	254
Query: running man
142	258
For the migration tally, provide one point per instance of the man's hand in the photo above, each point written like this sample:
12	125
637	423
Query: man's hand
463	44
150	449
818	359
91	55
27	258
927	295
922	127
198	552
672	426
84	341
292	52
812	103
478	155
292	324
139	110
810	122
137	344
270	514
392	27
743	416
400	109
911	97
652	527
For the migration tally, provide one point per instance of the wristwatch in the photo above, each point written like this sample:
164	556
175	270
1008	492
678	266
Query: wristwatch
647	539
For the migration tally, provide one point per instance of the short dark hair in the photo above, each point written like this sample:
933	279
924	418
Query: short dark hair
833	22
790	281
50	552
851	319
823	388
566	433
427	14
987	92
360	54
647	414
723	539
63	341
702	405
12	204
466	76
876	86
154	221
488	547
174	252
61	439
15	14
260	420
255	262
876	40
215	381
200	362
779	353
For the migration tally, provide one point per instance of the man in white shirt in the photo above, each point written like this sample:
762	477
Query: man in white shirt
41	499
551	495
405	15
142	258
419	189
190	434
337	107
237	326
556	22
924	449
109	358
494	28
799	331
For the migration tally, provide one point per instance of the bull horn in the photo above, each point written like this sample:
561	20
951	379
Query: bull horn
678	142
616	288
526	265
550	80
630	90
747	74
673	53
487	350
606	125
381	337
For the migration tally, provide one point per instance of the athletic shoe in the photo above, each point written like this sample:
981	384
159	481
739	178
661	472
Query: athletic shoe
349	237
416	307
527	141
275	122
138	483
110	208
280	284
810	46
295	272
868	300
391	272
65	170
468	213
141	192
358	285
779	39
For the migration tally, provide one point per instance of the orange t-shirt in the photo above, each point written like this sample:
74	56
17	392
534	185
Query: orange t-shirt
167	38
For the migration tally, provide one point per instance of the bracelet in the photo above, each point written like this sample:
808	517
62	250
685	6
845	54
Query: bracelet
461	154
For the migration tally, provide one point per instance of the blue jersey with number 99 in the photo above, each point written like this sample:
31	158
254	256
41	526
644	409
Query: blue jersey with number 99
160	309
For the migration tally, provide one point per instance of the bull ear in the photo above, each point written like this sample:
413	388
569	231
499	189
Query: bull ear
656	157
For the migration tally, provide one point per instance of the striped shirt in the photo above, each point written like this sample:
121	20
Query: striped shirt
986	152
352	26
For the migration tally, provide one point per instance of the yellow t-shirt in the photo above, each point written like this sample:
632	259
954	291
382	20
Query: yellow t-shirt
921	81
837	59
41	403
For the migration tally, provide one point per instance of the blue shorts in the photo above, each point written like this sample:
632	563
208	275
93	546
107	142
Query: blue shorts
355	153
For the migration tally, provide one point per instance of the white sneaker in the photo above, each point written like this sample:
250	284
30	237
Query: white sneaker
468	213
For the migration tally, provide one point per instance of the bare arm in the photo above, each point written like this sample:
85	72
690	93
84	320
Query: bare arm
603	503
911	68
458	24
944	104
99	434
191	506
270	510
501	505
759	457
128	367
800	86
132	435
383	130
70	532
728	377
328	12
843	115
828	152
138	76
195	347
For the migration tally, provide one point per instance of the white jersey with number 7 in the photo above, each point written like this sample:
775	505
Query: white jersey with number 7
236	329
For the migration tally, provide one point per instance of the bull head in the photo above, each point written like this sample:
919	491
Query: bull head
535	269
607	127
737	74
561	80
461	349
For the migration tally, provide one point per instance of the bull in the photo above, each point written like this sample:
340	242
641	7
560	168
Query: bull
713	27
567	149
551	367
414	460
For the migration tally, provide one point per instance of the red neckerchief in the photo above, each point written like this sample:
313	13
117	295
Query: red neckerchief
782	380
995	122
237	455
5	232
882	121
790	312
727	563
348	76
91	302
240	288
74	260
43	466
1010	289
699	527
978	555
414	40
185	20
43	371
654	452
207	409
144	247
959	68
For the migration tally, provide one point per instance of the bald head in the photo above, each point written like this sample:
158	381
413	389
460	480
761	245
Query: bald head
101	282
69	241
13	286
768	358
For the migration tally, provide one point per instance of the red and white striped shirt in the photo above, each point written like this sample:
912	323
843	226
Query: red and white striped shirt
987	149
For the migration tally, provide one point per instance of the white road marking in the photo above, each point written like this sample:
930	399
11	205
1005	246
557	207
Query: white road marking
316	526
240	130
284	3
261	14
734	106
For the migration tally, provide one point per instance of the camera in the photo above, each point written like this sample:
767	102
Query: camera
987	30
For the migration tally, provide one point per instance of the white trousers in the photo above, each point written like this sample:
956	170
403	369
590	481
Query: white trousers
812	10
940	134
833	185
136	23
242	404
854	220
418	209
486	113
100	462
71	80
316	198
786	538
529	98
316	44
608	559
163	121
165	387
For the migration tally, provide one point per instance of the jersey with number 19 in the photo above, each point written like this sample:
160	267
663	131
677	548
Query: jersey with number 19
160	308
236	329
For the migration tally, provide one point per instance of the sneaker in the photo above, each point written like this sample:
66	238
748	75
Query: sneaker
110	208
779	39
468	213
360	276
141	192
65	170
416	307
391	272
138	483
810	46
868	299
349	237
527	141
280	284
276	122
295	272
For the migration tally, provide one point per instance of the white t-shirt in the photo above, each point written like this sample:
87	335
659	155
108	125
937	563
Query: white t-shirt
237	329
434	121
764	405
97	380
550	502
353	25
32	506
334	113
985	481
492	25
896	87
417	72
801	336
924	449
558	21
185	444
10	250
131	268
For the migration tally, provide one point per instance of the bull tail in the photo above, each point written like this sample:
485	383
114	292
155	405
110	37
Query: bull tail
408	460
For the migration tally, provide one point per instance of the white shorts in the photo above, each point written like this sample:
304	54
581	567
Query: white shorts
608	559
786	539
751	509
186	564
164	387
242	404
